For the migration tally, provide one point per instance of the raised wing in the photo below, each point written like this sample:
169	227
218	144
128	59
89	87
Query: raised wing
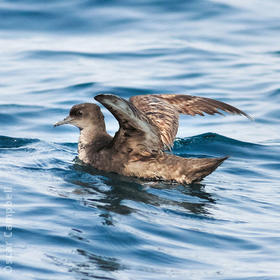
161	113
163	110
195	105
136	135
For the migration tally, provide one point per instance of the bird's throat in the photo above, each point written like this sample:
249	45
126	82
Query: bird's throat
91	141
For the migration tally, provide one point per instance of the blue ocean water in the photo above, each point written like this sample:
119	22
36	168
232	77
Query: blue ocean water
61	220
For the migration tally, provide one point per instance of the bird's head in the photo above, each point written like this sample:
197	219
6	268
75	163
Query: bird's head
84	116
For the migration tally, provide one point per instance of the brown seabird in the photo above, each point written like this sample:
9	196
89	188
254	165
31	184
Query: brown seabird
148	126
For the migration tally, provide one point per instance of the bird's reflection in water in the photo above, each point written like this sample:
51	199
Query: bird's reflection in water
114	194
111	191
92	267
107	264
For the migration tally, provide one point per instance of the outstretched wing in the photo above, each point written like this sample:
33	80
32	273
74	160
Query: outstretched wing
163	110
161	113
136	135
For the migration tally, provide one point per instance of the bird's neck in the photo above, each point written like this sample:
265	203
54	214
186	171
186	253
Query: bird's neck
91	141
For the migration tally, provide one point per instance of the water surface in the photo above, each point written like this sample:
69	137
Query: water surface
61	220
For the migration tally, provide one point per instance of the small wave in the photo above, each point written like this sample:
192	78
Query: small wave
212	144
274	93
209	137
10	142
61	55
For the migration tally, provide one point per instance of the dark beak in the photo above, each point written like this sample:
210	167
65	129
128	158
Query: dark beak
67	120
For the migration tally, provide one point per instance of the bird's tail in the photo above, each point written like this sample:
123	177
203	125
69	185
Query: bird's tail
188	170
203	167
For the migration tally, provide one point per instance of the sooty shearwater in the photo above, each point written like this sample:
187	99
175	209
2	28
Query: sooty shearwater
148	126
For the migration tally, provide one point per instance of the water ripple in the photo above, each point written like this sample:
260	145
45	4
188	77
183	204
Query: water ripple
64	220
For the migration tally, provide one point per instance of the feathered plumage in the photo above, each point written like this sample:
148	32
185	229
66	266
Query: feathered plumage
148	125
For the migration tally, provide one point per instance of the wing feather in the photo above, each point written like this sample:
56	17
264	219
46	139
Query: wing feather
192	105
161	113
163	110
136	135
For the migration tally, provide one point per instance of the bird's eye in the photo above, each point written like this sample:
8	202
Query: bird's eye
79	113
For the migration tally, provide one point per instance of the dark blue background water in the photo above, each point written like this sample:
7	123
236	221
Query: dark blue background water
60	220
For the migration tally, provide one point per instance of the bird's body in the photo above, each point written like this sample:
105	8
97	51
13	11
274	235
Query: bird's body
148	126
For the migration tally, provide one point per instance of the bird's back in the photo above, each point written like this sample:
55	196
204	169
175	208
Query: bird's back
173	168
